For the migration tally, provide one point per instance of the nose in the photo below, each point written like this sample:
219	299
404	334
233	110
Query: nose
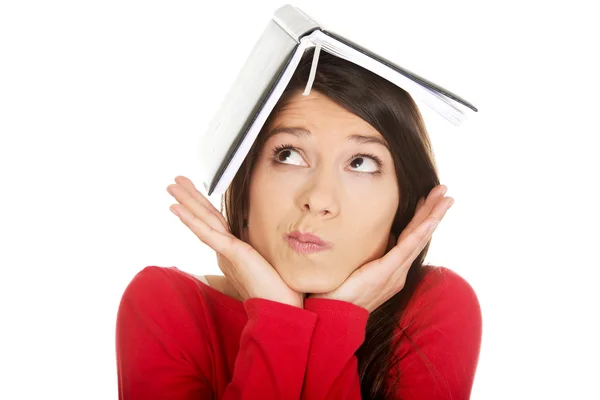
320	195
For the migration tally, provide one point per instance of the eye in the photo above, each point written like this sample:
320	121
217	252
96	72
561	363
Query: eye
284	152
360	160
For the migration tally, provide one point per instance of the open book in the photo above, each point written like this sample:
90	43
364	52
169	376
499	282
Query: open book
265	75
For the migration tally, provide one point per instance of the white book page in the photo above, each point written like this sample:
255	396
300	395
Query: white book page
445	106
254	130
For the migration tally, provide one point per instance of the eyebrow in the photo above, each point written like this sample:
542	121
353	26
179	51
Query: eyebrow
303	132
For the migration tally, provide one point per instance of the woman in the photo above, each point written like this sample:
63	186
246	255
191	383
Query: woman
324	293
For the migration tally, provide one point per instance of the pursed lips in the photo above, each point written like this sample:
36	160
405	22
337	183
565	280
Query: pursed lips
308	238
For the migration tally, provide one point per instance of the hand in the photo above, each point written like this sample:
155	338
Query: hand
249	273
377	281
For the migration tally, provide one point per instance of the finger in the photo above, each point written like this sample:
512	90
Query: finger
197	208
422	234
420	204
439	210
431	199
213	238
426	209
427	203
409	246
437	213
396	263
195	193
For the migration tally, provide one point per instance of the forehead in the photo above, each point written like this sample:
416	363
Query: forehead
319	113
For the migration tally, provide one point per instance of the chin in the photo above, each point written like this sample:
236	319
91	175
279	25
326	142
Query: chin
314	284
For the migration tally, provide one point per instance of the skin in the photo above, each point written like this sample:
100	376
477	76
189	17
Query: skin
321	187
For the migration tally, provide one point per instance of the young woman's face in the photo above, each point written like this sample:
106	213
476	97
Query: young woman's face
329	183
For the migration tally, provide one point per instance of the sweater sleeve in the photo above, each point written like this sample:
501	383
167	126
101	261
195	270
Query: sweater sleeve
436	362
156	338
332	370
274	346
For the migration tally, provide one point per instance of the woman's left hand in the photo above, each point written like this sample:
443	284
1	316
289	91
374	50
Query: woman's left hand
374	283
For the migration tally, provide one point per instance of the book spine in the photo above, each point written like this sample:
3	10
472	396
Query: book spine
294	22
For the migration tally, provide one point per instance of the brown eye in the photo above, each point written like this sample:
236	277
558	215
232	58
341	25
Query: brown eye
363	160
283	153
357	164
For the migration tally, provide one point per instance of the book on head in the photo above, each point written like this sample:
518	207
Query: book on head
266	73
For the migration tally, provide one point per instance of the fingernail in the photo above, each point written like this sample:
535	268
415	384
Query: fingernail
444	190
451	203
174	211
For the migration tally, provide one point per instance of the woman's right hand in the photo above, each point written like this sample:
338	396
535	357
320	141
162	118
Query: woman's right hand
249	273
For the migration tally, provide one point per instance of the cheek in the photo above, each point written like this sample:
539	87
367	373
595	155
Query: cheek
271	199
270	190
375	209
372	223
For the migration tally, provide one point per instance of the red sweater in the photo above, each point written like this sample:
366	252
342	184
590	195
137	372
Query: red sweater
180	339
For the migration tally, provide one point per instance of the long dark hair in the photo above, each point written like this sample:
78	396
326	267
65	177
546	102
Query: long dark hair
393	112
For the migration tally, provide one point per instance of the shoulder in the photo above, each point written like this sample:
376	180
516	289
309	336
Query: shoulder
161	294
441	331
442	289
154	281
163	334
171	291
449	283
444	304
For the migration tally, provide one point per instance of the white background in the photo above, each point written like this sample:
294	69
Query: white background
103	103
